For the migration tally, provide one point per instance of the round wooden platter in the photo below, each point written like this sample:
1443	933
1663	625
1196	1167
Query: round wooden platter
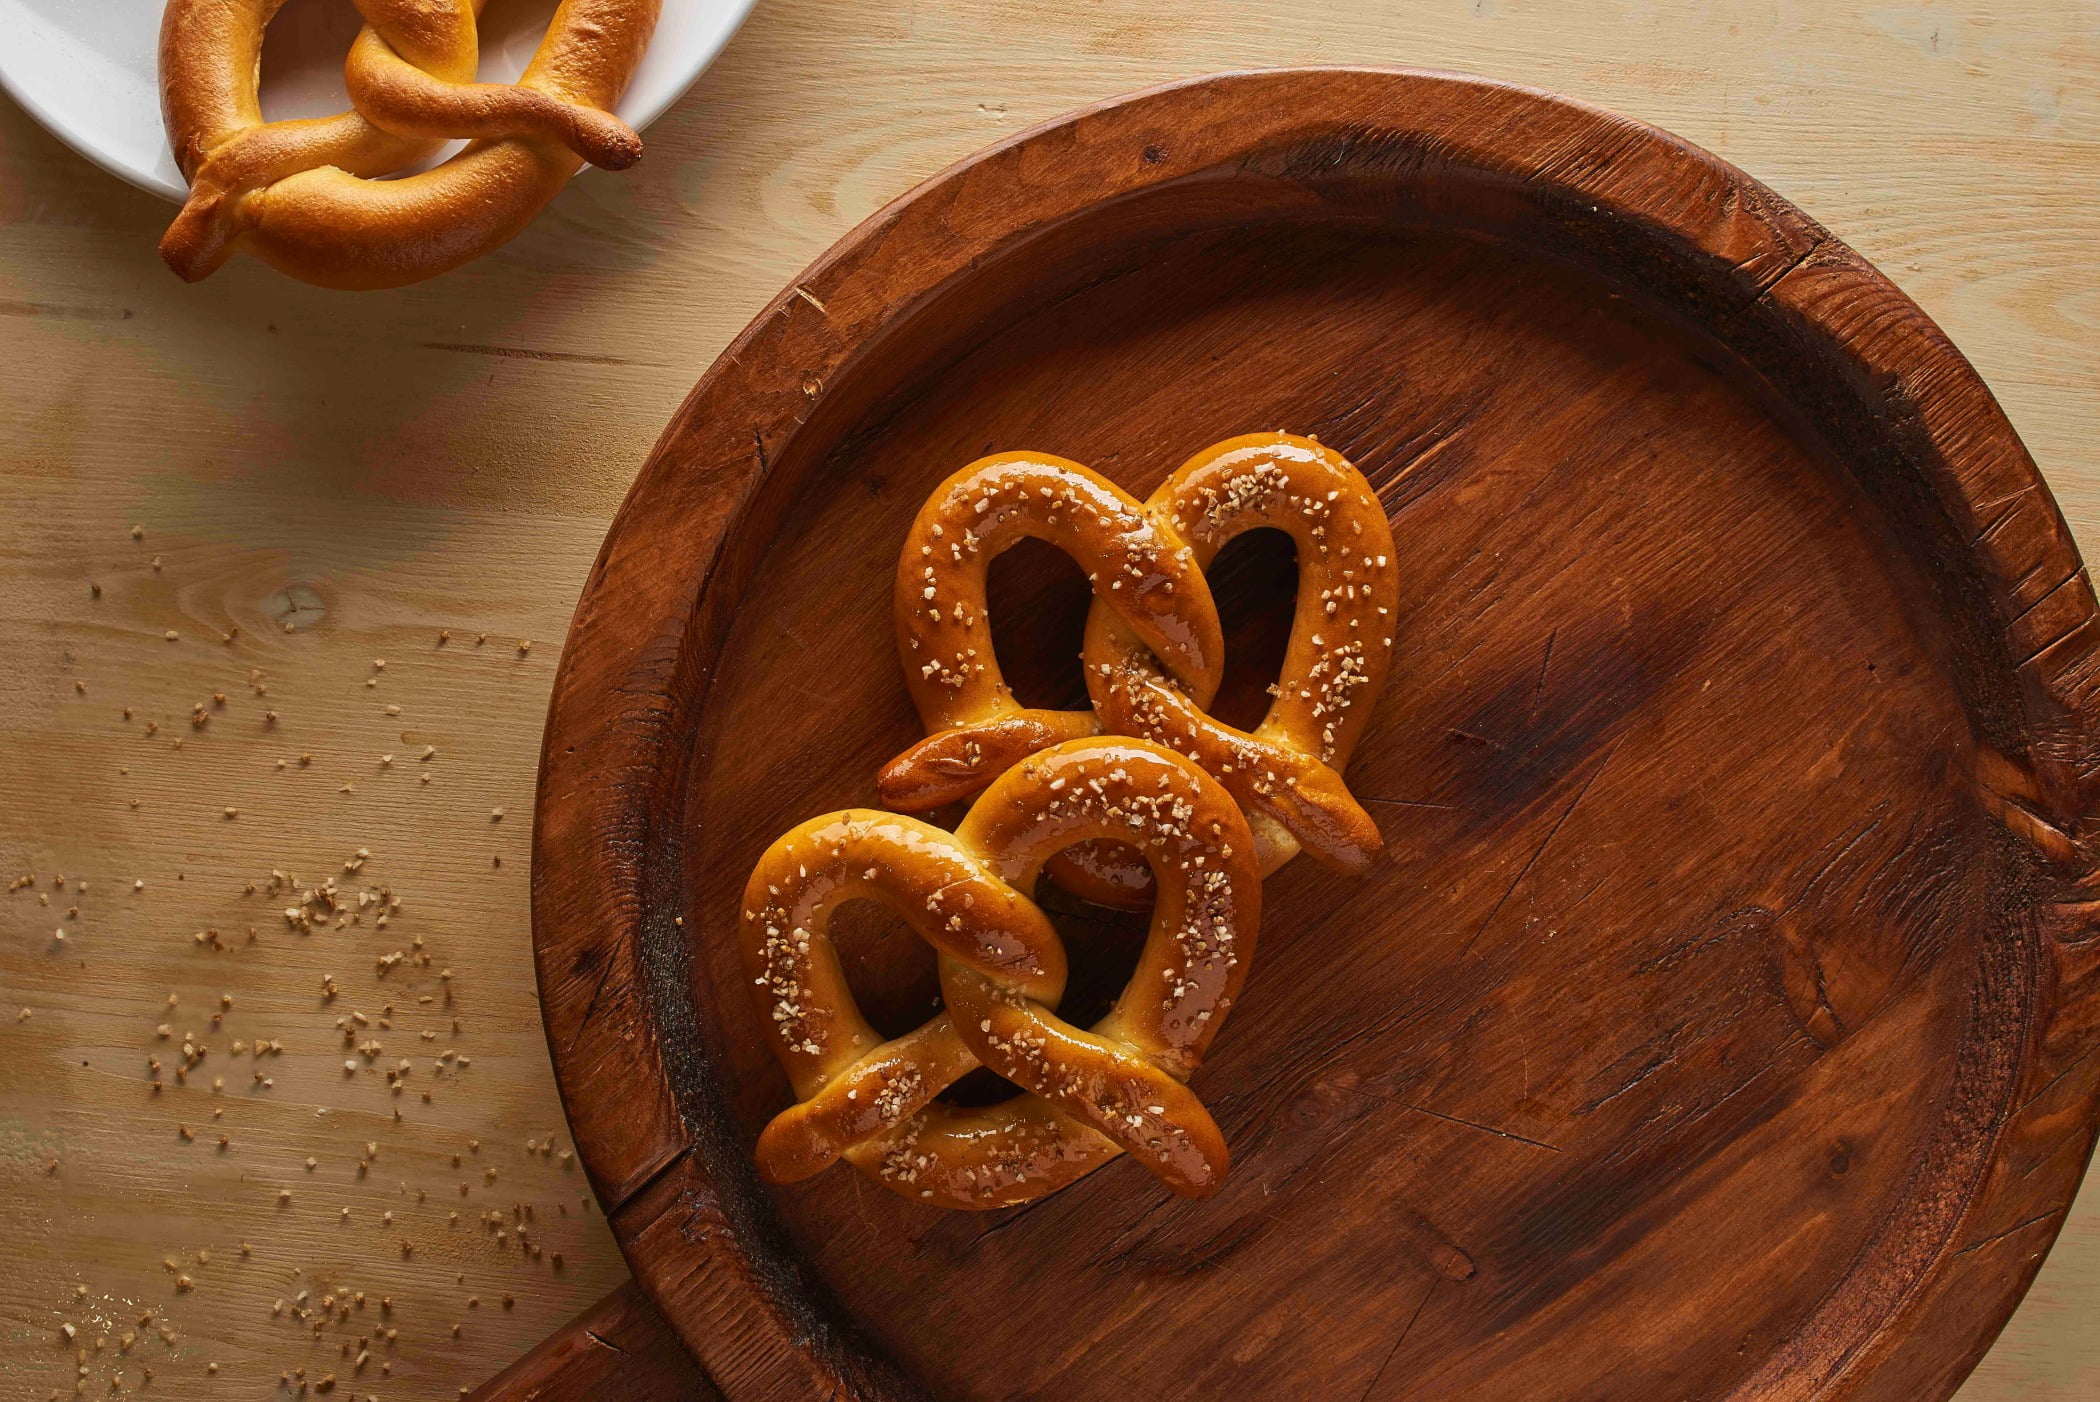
1719	1021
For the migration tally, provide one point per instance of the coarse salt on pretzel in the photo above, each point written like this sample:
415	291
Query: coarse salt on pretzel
305	196
1088	1095
1286	772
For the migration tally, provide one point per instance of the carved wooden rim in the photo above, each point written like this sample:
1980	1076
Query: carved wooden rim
607	877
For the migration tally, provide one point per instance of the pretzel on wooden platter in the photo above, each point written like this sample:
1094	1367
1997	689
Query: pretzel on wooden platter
1154	648
1088	1095
304	195
1286	772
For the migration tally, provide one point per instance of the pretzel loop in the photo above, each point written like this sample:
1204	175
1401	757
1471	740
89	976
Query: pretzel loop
1088	1094
1141	572
304	195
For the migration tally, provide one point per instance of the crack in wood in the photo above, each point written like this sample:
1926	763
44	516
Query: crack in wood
1116	1251
1540	851
1816	246
1748	919
1633	1141
2009	793
1995	502
590	1008
1003	1223
1653	1066
2073	631
1538	691
1484	1129
2046	595
2020	1226
2054	1080
1418	461
59	312
1405	1330
2012	509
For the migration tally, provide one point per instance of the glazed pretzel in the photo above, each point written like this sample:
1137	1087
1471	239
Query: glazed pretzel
1154	647
305	197
1088	1095
1286	773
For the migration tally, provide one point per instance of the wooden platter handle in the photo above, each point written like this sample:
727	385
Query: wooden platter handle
621	1349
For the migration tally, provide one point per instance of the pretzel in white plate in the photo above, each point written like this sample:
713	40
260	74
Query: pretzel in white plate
305	196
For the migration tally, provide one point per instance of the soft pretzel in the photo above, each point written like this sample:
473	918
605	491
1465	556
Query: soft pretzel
1154	650
1286	772
1088	1095
305	196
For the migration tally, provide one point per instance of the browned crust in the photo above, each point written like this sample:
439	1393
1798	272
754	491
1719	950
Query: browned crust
1117	1087
305	196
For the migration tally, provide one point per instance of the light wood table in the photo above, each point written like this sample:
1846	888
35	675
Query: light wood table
336	481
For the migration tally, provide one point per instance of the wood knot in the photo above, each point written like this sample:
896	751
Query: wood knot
1452	1263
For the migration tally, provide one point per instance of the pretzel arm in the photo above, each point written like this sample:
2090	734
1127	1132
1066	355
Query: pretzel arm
209	53
440	36
1287	771
1147	1113
400	97
333	229
953	764
865	1101
301	200
1109	874
978	1159
1306	799
956	902
203	232
1348	581
1185	825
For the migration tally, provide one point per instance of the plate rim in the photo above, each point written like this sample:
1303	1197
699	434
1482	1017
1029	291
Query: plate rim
615	717
67	137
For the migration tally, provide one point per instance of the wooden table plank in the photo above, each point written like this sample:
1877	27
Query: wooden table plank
447	457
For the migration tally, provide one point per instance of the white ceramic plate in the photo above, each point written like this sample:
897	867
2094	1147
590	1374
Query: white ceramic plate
86	68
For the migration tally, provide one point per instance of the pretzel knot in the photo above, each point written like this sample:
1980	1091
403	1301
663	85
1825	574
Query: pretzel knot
1088	1095
305	195
1154	652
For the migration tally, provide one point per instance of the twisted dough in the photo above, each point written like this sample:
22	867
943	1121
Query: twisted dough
1144	573
1154	649
1286	772
1088	1095
304	195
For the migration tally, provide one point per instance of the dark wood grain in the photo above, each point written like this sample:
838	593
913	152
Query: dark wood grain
1721	1019
621	1349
